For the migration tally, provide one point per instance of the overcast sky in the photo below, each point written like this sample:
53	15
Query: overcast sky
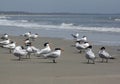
74	6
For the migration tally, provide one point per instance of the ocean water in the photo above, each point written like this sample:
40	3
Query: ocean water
99	28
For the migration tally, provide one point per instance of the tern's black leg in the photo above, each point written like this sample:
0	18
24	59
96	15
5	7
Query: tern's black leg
54	61
10	50
88	61
93	61
106	60
19	58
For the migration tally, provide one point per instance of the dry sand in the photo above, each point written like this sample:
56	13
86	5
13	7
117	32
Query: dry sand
71	67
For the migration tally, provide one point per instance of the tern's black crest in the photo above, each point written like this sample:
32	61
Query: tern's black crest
102	48
12	42
45	44
57	48
89	47
22	47
77	41
27	39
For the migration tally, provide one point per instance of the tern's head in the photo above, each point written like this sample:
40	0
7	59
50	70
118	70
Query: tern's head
26	39
77	41
22	47
102	48
84	36
5	34
90	47
12	42
29	44
7	39
86	42
59	49
36	33
46	44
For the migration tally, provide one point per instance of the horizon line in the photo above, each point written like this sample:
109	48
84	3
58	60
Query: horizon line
25	12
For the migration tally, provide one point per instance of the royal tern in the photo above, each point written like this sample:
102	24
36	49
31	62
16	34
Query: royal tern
104	54
5	36
27	42
19	51
31	49
27	34
33	36
45	50
83	39
75	36
81	46
53	55
90	55
4	42
10	46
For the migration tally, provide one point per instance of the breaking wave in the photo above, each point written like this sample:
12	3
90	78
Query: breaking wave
117	19
26	24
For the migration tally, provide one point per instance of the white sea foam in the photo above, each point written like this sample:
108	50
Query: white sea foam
4	17
66	24
117	19
27	24
17	23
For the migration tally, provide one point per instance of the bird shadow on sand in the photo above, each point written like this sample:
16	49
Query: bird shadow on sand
23	59
98	62
46	62
32	61
72	45
87	63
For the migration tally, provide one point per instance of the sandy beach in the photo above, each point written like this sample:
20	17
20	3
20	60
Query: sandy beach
71	67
